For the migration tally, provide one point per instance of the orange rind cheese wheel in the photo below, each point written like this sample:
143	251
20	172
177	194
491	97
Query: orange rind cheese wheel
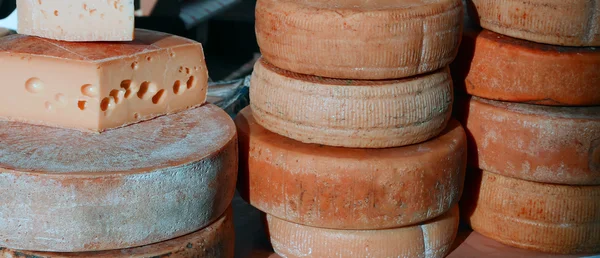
559	145
431	239
498	67
555	22
216	240
71	191
543	217
356	39
343	188
351	113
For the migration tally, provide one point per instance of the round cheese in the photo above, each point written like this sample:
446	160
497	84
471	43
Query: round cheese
431	239
342	188
565	23
216	240
559	145
356	39
349	113
498	67
537	216
70	191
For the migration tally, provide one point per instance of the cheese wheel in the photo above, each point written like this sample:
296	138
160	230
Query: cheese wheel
348	113
70	191
355	39
216	240
431	239
556	22
559	145
498	67
342	188
537	216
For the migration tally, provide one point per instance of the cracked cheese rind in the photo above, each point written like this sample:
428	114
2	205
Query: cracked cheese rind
345	188
100	86
70	191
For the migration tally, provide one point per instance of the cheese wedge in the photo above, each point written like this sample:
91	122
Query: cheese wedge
543	217
351	113
498	67
355	39
431	239
69	191
342	188
558	145
77	20
216	240
565	23
99	86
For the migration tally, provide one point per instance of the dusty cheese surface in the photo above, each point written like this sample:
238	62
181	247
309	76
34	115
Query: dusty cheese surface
214	241
77	20
96	86
70	191
555	22
379	39
498	67
431	239
559	145
345	188
351	113
543	217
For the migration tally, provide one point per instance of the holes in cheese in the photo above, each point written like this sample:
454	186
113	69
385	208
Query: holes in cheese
141	184
544	217
98	72
216	240
433	238
345	188
567	23
531	142
498	67
351	113
359	39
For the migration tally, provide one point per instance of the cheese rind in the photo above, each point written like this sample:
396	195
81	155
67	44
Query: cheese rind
69	191
543	217
343	188
559	145
216	240
100	86
372	39
556	22
77	20
487	67
351	113
431	239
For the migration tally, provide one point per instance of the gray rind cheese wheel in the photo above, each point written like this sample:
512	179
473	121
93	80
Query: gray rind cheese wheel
351	113
556	22
70	191
356	39
216	240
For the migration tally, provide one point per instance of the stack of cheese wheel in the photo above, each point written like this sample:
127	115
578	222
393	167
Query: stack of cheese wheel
107	147
534	123
348	146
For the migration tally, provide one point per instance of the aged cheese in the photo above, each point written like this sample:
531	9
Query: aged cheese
559	145
77	20
498	67
431	239
343	188
350	113
537	216
98	86
556	22
216	240
70	191
356	39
